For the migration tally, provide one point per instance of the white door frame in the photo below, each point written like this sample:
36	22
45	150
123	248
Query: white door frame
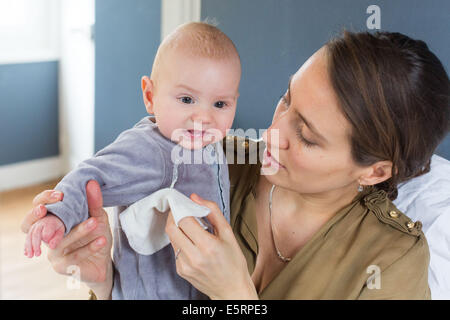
76	82
176	12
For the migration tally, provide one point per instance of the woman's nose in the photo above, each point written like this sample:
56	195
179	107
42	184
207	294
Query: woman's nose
275	137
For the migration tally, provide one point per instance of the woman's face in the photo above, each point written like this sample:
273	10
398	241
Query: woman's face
312	152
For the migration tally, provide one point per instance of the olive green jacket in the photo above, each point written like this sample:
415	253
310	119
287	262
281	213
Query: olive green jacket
368	250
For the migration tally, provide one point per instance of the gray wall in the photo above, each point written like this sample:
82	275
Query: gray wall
127	35
275	37
28	111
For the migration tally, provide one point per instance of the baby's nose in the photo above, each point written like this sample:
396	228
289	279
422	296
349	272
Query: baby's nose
201	116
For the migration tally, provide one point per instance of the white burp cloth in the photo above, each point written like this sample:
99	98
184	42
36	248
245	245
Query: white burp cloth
144	226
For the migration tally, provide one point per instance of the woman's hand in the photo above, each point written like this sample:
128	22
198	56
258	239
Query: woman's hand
214	264
88	245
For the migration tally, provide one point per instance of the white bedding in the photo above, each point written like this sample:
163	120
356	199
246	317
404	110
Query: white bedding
427	199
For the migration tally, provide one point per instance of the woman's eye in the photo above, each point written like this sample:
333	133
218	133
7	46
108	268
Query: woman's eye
220	104
284	100
186	100
307	143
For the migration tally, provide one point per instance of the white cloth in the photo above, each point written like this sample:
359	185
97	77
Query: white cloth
427	199
144	221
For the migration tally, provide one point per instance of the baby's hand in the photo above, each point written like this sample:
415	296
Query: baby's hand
49	229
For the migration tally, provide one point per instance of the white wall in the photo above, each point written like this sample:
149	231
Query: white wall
42	30
29	30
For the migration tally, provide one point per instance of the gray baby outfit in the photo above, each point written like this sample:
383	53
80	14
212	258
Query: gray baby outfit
137	164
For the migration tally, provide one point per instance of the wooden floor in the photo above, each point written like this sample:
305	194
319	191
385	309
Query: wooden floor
21	277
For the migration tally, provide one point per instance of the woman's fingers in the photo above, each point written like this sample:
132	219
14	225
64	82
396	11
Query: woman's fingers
72	241
82	234
33	238
193	230
39	210
221	226
94	199
34	215
79	255
47	197
178	239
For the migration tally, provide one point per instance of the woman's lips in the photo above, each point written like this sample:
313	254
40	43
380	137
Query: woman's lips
268	160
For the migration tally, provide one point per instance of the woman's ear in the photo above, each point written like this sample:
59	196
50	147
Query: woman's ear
147	93
377	173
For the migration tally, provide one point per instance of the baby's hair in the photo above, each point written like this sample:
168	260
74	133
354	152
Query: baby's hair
199	39
212	21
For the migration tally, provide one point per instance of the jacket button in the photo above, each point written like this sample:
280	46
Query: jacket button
410	225
393	214
245	144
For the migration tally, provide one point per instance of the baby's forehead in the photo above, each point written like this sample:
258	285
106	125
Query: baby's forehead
194	56
201	45
196	40
200	39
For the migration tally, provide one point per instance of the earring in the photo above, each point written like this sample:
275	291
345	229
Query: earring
360	188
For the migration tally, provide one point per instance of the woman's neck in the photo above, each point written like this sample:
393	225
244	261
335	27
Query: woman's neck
313	206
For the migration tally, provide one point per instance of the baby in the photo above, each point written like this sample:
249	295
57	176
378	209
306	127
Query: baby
192	93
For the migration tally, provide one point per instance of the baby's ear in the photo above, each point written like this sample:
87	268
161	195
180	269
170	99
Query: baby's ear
147	93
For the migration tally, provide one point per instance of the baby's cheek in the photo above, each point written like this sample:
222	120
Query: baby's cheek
170	132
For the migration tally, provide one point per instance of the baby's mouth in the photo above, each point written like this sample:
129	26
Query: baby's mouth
195	134
199	136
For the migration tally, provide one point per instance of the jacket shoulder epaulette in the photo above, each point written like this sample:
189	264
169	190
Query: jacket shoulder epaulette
388	213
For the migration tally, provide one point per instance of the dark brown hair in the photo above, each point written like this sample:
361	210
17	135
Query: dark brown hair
395	93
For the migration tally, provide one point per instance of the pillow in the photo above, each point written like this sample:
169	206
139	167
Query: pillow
427	199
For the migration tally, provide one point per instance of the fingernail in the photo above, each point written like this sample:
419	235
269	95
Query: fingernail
90	223
56	195
37	211
99	242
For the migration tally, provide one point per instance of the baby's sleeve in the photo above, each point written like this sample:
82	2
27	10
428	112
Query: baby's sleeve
127	170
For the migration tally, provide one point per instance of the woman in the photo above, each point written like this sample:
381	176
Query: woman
363	114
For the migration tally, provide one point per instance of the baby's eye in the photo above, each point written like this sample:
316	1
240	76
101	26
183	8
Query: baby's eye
220	104
186	100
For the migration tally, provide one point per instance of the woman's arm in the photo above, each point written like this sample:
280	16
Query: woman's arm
213	263
405	279
87	246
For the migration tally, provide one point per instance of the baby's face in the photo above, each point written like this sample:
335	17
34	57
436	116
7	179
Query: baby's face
194	98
